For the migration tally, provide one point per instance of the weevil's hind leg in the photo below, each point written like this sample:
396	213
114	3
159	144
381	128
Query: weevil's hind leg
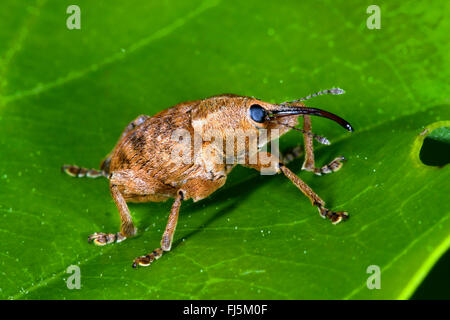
167	238
309	163
133	124
127	228
334	216
79	172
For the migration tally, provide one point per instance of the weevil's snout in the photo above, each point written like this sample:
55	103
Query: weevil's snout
284	110
272	113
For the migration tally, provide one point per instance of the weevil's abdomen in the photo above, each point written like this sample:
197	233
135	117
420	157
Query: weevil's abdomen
156	148
149	146
145	161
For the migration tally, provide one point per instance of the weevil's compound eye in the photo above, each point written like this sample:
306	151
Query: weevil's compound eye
258	113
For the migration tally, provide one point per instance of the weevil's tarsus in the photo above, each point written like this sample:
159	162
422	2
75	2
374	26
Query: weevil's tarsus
79	172
320	139
334	216
333	166
334	91
291	154
101	239
145	261
167	238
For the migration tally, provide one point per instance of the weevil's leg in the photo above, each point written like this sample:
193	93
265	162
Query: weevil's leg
277	166
78	172
133	124
335	217
292	154
127	228
309	163
167	238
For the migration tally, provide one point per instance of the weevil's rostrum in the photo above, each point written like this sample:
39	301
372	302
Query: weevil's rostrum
186	152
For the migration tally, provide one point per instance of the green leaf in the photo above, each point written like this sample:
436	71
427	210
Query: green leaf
66	95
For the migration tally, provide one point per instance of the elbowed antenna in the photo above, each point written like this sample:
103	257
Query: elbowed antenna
290	111
287	110
334	91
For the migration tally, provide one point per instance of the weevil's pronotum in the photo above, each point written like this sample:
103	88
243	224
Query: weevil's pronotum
144	165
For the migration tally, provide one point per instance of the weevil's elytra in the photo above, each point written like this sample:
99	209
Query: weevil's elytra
158	157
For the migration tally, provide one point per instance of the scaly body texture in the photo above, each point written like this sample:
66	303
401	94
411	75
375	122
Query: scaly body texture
186	152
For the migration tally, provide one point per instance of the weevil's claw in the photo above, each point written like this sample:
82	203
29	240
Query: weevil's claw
333	166
334	217
101	239
145	261
322	140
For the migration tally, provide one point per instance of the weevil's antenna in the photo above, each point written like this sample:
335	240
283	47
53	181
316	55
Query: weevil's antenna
319	139
333	91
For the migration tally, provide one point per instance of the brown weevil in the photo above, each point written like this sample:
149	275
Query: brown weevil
184	153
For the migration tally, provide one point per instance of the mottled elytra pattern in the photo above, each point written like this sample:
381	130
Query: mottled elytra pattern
140	167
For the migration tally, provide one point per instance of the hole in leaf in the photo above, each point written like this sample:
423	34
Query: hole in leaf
435	150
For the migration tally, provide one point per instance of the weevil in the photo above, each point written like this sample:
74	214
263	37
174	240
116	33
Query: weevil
144	166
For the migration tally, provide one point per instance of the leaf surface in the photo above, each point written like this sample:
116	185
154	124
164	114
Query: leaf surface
66	95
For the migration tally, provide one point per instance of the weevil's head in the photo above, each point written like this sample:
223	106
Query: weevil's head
228	113
284	116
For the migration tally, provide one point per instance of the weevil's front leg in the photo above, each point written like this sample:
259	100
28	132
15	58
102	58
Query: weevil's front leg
167	238
127	228
309	164
334	216
272	163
